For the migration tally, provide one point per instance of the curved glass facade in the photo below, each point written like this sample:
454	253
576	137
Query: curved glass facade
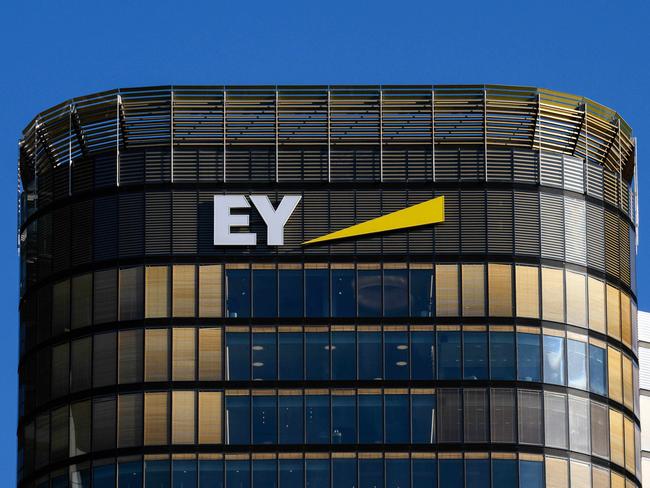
497	348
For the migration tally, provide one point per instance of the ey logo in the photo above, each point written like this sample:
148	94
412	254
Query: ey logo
425	213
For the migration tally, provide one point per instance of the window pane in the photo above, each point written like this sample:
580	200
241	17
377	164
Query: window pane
59	434
553	294
528	351
210	417
396	355
613	312
477	473
576	299
423	418
104	359
369	286
210	473
500	288
82	300
396	293
580	474
616	442
317	349
291	356
626	322
450	415
343	293
317	419
344	415
449	355
209	354
237	356
130	356
615	379
80	428
265	293
184	296
317	473
476	415
371	473
238	284
105	296
555	414
291	473
370	419
557	473
473	277
579	424
60	370
238	474
475	355
131	293
531	474
264	419
502	355
291	419
447	290
317	297
397	473
183	354
156	345
599	430
237	419
129	475
156	416
184	473
397	419
129	415
344	365
210	290
530	417
104	476
104	423
424	472
554	360
502	415
597	369
421	292
344	473
264	354
527	291
370	364
156	297
264	473
577	364
504	472
291	293
451	473
60	307
423	364
596	304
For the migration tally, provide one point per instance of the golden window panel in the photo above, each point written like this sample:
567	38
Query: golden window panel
557	473
156	416
618	481
210	406
210	347
616	440
626	320
210	298
527	291
473	290
447	290
156	349
580	474
599	477
628	385
553	294
614	374
130	356
156	296
576	299
500	290
630	452
184	284
129	420
183	354
596	304
183	417
613	312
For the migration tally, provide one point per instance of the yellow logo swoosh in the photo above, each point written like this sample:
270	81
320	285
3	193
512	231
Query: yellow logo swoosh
425	213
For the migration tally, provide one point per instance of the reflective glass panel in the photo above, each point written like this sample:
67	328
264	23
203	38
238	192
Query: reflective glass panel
344	415
423	366
265	293
397	473
237	356
528	357
397	419
291	473
317	352
129	475
264	420
424	472
396	293
291	293
577	364
449	355
344	473
264	473
396	355
475	355
421	292
370	419
238	298
451	473
504	472
317	297
291	417
554	360
291	356
317	473
369	285
156	474
183	473
597	369
423	418
344	365
531	474
104	476
502	356
264	355
343	293
238	419
477	473
317	419
210	473
370	363
371	473
238	474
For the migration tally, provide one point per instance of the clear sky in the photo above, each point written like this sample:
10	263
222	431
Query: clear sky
52	51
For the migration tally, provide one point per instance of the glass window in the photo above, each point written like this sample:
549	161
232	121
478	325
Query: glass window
450	415
476	415
210	404
579	424
423	366
344	366
613	312
129	475
237	355
317	297
264	354
184	285
500	290
291	473
104	476
473	281
370	366
396	293
396	355
183	473
553	294
554	360
424	471
183	417
265	293
615	379
530	417
210	473
626	322
477	473
156	417
291	292
504	472
317	418
344	472
557	473
423	416
447	290
343	293
290	417
528	357
317	473
421	292
555	415
209	354
451	473
527	291
475	355
210	290
59	434
317	352
596	304
105	296
502	415
238	419
371	472
628	389
397	418
183	354
156	346
264	418
397	473
82	301
580	474
597	369
129	420
60	370
238	473
344	415
369	286
290	365
156	296
79	428
130	356
630	452
577	364
531	474
104	359
370	418
156	473
599	430
60	307
616	441
264	473
449	355
104	423
131	293
502	354
576	299
238	289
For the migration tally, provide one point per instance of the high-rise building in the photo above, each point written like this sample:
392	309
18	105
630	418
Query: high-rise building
209	297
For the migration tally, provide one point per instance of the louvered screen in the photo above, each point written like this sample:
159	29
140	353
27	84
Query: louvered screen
131	167
500	222
368	206
82	232
420	241
317	221
472	163
526	223
250	164
342	214
500	164
447	164
61	245
205	224
184	240
355	164
45	189
396	242
624	233
612	246
447	236
526	165
595	236
573	173
105	230
83	175
472	221
595	180
407	164
106	169
303	164
44	245
551	169
157	163
610	189
131	234
575	230
158	211
552	226
61	181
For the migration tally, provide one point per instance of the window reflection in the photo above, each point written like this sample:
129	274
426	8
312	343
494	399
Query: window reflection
451	473
238	285
397	415
210	473
317	473
290	366
343	355
317	418
343	293
344	416
291	473
477	473
317	292
291	293
554	360
504	472
528	357
344	473
369	285
597	369
397	473
423	417
237	355
371	473
423	366
264	473
290	418
184	473
531	474
370	364
238	419
370	419
129	475
265	293
396	355
237	473
264	420
396	293
449	355
317	352
475	356
502	355
577	364
421	292
264	355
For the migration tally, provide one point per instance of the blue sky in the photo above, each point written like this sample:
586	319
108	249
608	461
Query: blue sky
52	51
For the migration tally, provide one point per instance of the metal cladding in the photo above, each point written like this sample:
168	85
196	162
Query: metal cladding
316	286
